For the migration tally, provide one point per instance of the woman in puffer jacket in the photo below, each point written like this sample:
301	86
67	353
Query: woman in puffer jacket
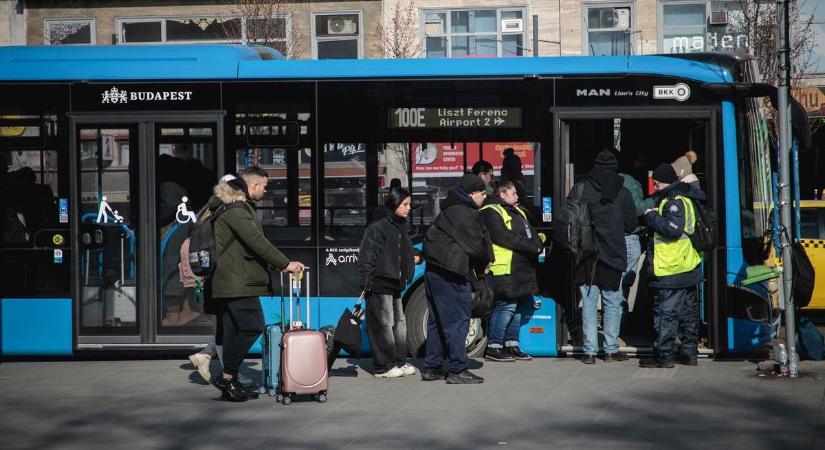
385	263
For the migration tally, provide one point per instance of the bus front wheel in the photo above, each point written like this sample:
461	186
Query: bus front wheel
417	313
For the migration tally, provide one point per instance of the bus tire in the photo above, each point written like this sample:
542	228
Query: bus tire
417	312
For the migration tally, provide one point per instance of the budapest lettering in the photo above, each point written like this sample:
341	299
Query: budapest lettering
115	95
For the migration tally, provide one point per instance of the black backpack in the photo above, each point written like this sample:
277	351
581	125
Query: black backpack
704	231
803	276
572	228
202	253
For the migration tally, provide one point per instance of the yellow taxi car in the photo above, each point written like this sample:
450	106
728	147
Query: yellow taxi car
812	234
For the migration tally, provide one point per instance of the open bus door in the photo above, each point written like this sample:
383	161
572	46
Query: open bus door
643	138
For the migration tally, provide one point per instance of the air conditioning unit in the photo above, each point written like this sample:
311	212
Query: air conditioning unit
719	17
512	25
434	27
341	25
621	17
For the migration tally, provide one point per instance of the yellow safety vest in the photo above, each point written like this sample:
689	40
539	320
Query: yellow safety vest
504	256
672	257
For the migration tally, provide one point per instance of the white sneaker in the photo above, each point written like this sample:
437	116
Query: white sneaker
201	362
395	372
408	369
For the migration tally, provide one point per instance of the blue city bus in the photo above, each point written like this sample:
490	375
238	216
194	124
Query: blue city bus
100	145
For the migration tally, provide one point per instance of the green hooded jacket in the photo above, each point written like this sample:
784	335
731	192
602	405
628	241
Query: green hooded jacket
243	267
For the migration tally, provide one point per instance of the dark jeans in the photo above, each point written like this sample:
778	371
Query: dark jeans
672	316
387	329
450	298
243	321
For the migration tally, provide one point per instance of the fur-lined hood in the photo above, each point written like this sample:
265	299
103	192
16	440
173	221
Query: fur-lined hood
228	194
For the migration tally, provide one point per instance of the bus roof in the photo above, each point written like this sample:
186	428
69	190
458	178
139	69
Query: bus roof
203	62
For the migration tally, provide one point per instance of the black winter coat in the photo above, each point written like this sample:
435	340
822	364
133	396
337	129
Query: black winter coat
386	257
458	240
612	214
523	240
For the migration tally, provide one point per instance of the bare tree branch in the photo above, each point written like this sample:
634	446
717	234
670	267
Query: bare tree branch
399	37
264	22
758	21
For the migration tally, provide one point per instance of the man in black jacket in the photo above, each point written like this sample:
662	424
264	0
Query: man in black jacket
515	247
457	249
612	215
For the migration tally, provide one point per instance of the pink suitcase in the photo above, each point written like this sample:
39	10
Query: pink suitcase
304	352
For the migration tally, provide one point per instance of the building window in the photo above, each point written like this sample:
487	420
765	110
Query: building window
608	29
473	33
337	35
70	32
203	29
684	27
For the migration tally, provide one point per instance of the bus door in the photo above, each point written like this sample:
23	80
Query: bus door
140	183
643	139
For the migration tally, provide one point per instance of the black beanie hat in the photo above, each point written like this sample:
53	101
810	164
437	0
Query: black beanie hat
472	183
664	173
606	159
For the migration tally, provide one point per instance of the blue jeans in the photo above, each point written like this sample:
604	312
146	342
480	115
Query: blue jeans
505	321
634	252
612	316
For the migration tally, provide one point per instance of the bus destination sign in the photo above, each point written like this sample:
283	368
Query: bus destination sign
460	117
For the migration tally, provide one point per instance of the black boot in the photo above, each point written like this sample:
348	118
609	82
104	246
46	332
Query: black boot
498	354
233	391
428	374
687	360
518	354
465	377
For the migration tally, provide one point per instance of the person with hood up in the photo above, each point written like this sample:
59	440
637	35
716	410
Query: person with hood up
458	250
386	263
516	245
676	268
242	273
612	215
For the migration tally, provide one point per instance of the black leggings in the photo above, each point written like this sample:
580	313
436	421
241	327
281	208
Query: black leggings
242	321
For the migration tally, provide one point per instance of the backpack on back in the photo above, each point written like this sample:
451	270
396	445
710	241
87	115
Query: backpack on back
203	255
573	230
704	231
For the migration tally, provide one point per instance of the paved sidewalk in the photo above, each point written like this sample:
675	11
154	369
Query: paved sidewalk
546	403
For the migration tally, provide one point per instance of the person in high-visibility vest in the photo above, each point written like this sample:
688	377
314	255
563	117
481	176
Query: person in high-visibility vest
516	246
676	267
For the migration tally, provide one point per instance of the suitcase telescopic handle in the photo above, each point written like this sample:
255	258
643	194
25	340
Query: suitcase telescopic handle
291	281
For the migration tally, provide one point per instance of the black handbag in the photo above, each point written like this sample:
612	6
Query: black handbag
347	334
483	295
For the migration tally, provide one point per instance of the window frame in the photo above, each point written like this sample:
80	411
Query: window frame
660	29
47	22
630	32
448	34
359	38
120	21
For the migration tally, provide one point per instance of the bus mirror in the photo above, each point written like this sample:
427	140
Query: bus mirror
730	90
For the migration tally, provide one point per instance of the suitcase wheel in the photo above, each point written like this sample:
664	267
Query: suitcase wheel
279	398
322	398
287	400
262	390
